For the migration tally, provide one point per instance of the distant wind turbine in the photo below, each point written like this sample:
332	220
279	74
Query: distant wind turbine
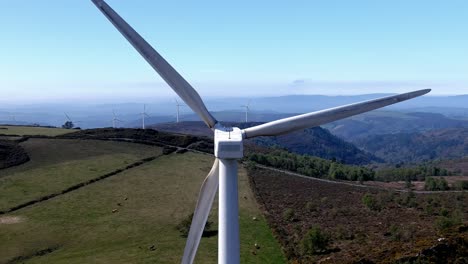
143	116
247	109
178	105
115	120
228	144
73	122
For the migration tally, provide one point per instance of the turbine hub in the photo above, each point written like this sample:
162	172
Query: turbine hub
228	143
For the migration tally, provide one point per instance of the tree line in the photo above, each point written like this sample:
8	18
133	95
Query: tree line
331	169
312	166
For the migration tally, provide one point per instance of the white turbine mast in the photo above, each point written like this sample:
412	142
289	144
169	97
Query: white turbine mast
143	116
178	105
115	120
247	110
228	147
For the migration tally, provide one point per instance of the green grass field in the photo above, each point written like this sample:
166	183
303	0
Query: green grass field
150	200
27	130
57	164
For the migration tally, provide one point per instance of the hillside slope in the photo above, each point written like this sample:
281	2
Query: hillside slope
416	147
361	225
385	122
128	217
313	141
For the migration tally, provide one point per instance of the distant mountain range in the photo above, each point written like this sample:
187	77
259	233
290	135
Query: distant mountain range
263	109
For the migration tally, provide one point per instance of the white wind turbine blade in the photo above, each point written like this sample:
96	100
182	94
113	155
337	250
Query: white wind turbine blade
162	67
318	118
202	210
67	117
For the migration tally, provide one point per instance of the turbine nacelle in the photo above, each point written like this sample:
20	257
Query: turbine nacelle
228	143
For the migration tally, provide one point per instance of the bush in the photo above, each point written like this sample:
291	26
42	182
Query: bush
461	185
288	215
433	184
184	226
395	233
408	199
371	203
315	241
447	221
311	206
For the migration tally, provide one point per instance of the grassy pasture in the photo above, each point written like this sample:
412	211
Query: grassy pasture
79	227
57	164
30	130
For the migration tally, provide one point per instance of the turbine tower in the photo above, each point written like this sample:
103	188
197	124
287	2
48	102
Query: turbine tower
143	116
247	109
228	148
178	105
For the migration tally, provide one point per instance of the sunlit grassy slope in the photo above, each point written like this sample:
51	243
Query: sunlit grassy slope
59	163
80	227
27	130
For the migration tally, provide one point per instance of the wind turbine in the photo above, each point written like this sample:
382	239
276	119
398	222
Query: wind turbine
143	116
247	109
115	120
69	119
229	144
178	105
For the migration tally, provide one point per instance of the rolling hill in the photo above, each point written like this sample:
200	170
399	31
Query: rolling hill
385	122
117	196
416	147
97	200
313	141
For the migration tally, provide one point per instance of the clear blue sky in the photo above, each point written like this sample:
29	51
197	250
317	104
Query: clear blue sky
58	49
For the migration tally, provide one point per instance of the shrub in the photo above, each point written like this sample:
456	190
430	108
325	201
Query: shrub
315	241
288	215
429	209
433	184
370	202
461	185
446	222
395	233
184	226
311	206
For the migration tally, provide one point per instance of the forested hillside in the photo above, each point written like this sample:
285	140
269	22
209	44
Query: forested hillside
313	141
385	122
416	147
